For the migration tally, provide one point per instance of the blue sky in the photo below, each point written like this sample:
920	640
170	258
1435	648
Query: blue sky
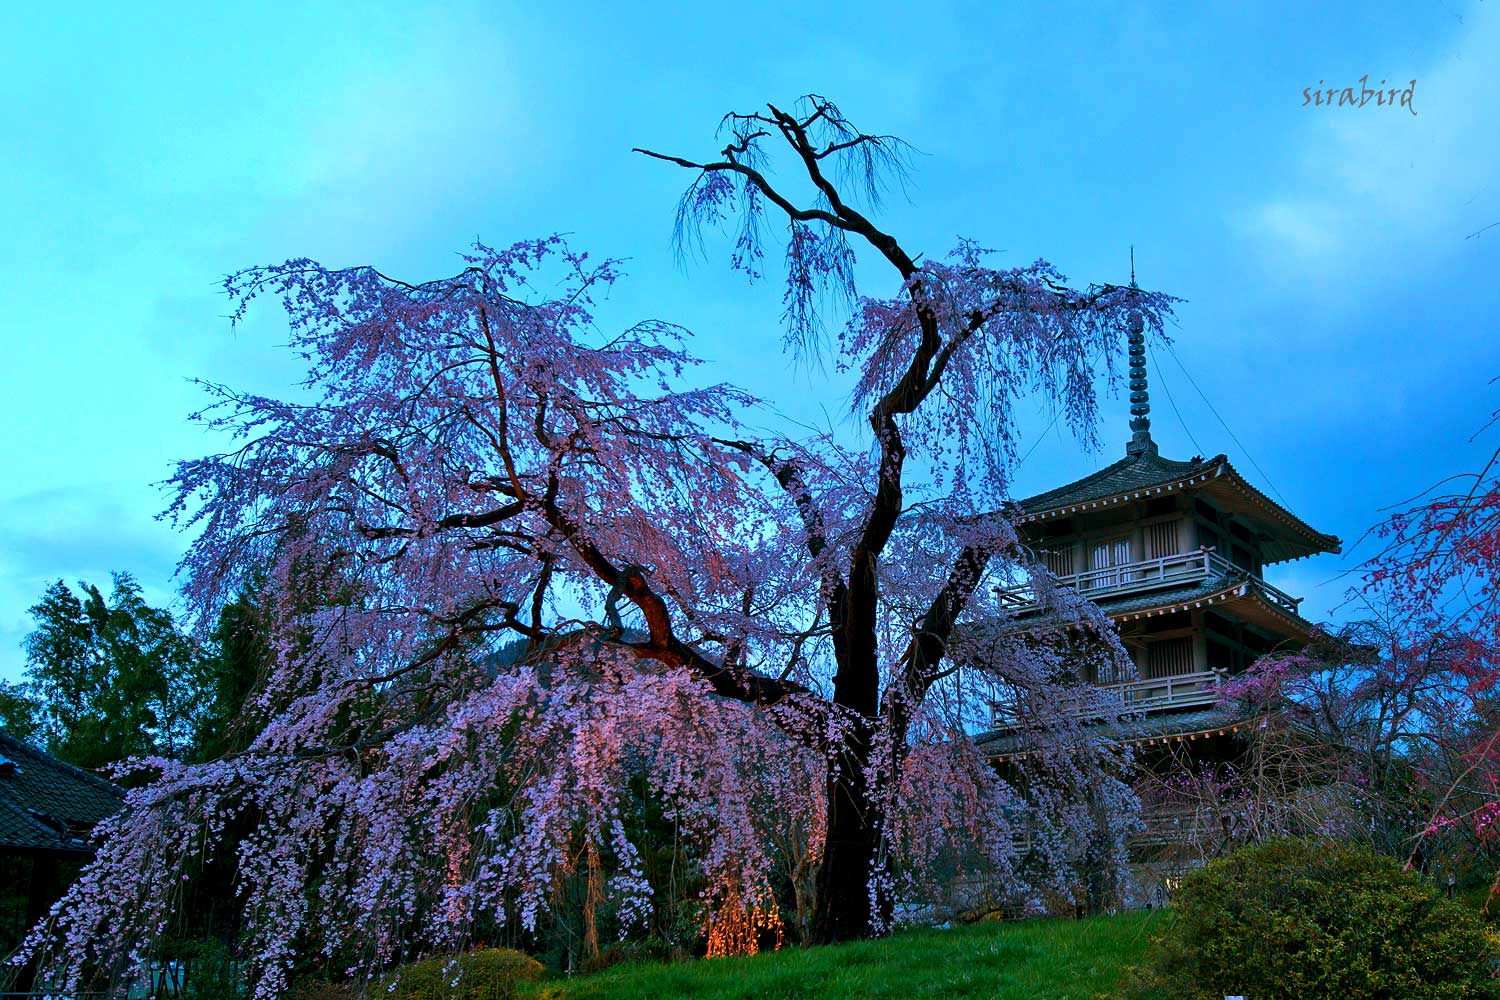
1338	314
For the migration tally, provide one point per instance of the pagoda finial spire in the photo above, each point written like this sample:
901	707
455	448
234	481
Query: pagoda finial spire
1140	397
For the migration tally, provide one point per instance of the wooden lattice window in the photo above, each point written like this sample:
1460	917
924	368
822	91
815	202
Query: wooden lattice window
1059	561
1161	539
1169	657
1106	556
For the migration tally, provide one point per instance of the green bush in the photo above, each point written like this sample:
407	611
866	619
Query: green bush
315	989
482	974
1305	920
208	970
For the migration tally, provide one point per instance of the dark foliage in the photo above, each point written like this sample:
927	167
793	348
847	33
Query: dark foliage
1311	919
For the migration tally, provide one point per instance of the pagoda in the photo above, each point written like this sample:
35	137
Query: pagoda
1173	553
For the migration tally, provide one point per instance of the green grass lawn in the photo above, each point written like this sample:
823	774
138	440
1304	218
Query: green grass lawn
1035	960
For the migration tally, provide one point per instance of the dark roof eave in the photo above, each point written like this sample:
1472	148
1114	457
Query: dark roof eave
1245	587
36	850
1232	722
1323	542
1040	508
1224	590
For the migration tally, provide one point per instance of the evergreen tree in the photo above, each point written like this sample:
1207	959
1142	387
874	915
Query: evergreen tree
18	710
231	672
111	677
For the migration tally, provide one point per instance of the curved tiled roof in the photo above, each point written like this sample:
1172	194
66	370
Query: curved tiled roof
1134	730
1219	589
1164	601
47	805
1132	474
1147	474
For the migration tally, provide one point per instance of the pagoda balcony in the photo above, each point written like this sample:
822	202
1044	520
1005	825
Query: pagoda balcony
1168	825
1161	573
1141	694
1164	826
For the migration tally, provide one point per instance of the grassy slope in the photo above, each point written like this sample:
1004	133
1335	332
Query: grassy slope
1037	960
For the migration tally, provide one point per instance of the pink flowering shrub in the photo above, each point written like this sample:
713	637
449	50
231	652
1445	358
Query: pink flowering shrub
1439	571
1387	730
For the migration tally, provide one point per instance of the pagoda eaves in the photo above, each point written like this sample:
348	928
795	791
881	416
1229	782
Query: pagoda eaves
1147	475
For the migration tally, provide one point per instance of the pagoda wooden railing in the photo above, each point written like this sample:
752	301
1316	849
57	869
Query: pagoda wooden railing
1142	694
1147	575
1161	825
1180	824
1146	694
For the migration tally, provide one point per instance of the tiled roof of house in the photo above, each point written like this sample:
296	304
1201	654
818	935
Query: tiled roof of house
46	805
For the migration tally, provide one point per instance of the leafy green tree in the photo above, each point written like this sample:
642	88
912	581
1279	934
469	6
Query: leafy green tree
111	677
234	665
19	711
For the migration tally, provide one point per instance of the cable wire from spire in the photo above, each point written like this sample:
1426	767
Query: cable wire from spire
1243	450
1173	400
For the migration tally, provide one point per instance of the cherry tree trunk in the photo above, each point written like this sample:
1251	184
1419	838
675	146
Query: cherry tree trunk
843	908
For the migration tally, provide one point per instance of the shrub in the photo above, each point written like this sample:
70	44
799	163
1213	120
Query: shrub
314	989
1307	919
208	970
482	974
651	949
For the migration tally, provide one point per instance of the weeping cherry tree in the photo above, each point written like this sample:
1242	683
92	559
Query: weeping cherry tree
776	630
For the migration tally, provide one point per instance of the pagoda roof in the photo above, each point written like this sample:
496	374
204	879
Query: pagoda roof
1200	723
1132	474
1146	474
47	805
1245	596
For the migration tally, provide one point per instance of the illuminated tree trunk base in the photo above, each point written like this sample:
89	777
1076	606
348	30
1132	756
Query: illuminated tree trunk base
844	910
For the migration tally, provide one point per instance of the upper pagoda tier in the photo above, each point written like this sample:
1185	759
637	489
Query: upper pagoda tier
1145	475
1172	553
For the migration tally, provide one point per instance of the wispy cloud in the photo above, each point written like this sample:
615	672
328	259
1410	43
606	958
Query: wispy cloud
1379	190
